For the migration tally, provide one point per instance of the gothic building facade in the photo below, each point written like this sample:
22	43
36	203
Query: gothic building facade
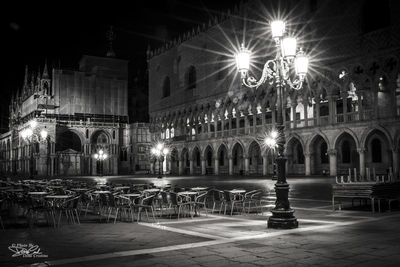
345	117
82	111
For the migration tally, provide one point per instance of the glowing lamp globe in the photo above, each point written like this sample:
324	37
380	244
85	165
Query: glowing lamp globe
301	64
243	60
160	146
289	47
43	134
165	151
277	28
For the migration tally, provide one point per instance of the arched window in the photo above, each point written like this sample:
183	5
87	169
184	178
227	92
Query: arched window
190	78
346	152
172	134
167	133
376	150
324	153
166	90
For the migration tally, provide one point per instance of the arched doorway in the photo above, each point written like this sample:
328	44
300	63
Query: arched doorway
174	162
378	155
347	155
319	155
100	141
237	158
208	155
255	159
196	161
185	161
68	148
295	156
223	159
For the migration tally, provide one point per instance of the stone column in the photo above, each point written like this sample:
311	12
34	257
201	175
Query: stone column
203	166
293	111
191	167
151	168
332	162
332	108
344	97
215	125
305	108
360	106
396	163
307	161
180	171
317	117
230	163
361	153
246	165
216	166
265	164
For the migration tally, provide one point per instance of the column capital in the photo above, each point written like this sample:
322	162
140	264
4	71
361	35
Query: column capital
361	150
332	152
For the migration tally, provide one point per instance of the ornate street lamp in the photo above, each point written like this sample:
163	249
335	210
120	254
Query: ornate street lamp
100	157
29	135
160	152
277	72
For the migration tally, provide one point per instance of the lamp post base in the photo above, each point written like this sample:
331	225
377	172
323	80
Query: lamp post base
282	215
282	223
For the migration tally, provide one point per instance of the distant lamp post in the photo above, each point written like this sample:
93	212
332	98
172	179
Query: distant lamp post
100	157
160	152
29	135
277	72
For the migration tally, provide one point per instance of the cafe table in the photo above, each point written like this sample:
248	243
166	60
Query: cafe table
237	191
198	188
102	192
151	191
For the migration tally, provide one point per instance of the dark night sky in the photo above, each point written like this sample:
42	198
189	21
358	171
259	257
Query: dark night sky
63	31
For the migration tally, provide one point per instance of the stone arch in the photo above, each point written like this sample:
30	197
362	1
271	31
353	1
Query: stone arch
378	151
312	139
222	156
185	158
349	132
346	149
370	130
68	139
196	158
295	155
318	148
174	159
238	158
208	154
255	158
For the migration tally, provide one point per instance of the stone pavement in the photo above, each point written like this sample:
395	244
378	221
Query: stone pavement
324	238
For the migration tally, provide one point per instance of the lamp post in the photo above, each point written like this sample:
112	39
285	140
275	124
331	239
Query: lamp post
277	72
160	152
29	135
271	141
100	157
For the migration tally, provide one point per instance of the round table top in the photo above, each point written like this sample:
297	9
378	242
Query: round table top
198	188
79	189
121	187
237	191
101	192
151	190
187	193
37	193
58	196
131	195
